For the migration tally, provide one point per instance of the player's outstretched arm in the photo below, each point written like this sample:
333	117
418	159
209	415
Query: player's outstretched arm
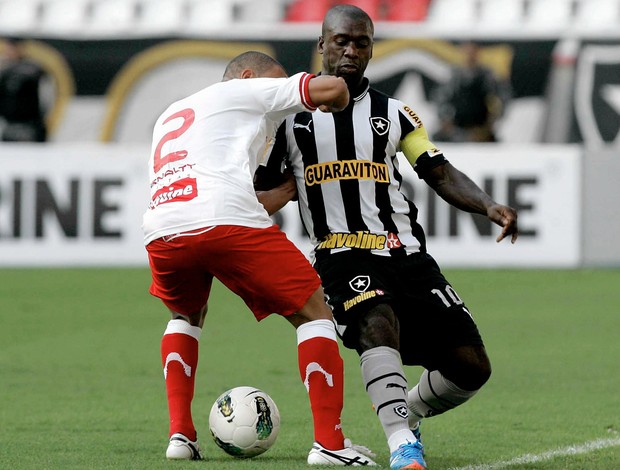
459	190
329	93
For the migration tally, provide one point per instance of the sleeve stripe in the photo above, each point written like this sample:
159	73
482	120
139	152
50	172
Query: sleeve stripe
304	91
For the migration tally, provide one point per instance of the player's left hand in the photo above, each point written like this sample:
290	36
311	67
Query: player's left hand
289	182
505	217
325	108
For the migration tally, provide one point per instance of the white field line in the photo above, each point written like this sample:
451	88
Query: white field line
549	455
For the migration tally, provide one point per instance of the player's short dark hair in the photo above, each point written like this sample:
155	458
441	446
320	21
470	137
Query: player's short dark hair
350	11
257	61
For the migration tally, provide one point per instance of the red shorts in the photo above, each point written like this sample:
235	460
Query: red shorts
262	266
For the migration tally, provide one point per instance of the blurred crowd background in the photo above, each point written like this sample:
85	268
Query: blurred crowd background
171	16
474	70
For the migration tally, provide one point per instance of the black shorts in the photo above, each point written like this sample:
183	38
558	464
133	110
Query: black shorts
433	319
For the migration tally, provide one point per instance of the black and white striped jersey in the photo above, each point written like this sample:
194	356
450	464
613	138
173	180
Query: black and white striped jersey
348	175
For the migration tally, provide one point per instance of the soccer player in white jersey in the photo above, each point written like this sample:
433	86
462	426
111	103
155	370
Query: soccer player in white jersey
390	300
204	220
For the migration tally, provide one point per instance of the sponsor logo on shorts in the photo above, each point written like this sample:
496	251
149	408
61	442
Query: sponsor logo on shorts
361	239
361	298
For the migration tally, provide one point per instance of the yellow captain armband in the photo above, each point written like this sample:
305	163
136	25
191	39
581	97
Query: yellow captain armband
416	143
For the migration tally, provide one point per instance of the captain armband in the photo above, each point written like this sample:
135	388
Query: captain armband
416	144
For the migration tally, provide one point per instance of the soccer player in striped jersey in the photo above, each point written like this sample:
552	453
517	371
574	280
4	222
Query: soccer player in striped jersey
204	221
390	300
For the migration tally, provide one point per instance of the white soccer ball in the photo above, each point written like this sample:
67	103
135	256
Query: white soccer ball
244	422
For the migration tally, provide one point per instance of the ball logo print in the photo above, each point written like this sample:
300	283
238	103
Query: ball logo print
224	406
244	422
264	427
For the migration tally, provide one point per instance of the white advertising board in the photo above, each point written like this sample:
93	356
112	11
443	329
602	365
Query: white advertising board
72	205
82	205
543	183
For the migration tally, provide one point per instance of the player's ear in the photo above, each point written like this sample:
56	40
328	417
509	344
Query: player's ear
247	73
320	44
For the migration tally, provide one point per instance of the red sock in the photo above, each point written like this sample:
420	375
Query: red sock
179	356
318	352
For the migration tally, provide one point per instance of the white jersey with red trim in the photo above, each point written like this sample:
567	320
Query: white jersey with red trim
206	148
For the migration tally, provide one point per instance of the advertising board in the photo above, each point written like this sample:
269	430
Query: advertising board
77	205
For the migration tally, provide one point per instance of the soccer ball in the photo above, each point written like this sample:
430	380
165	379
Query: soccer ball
244	422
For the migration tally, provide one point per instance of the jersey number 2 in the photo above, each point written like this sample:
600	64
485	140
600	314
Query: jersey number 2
188	116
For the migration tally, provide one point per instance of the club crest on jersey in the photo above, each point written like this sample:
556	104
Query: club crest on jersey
360	283
380	125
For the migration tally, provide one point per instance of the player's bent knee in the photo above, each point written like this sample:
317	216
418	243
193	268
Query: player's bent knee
194	318
470	369
315	307
378	327
481	375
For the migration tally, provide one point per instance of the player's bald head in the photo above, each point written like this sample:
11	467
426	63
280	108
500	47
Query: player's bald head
262	65
350	12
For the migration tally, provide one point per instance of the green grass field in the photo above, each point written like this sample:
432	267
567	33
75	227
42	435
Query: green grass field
81	384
